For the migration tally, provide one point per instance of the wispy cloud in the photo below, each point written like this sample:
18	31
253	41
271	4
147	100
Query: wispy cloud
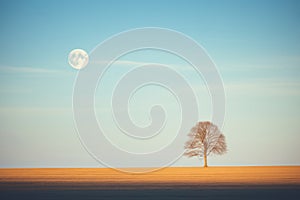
130	63
274	63
264	87
9	90
121	62
30	70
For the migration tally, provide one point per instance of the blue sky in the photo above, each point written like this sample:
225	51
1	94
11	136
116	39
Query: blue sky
255	45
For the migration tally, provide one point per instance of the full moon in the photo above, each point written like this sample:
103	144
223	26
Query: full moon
78	58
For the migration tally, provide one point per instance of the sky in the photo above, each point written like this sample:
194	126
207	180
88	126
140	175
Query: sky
254	44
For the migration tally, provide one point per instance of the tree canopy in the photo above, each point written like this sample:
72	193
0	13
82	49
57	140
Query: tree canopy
205	139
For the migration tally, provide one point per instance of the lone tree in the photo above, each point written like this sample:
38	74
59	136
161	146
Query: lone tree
205	139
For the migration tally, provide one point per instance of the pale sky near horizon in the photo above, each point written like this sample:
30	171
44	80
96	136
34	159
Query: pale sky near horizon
255	45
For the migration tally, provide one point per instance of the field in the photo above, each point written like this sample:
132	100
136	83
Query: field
168	183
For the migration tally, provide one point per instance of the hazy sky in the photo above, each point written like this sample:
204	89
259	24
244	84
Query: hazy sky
255	45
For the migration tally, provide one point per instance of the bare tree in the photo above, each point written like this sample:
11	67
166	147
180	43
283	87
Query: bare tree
205	139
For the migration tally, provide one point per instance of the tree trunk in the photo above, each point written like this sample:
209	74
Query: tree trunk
205	160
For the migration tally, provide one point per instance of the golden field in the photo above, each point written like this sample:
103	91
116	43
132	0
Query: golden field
184	177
